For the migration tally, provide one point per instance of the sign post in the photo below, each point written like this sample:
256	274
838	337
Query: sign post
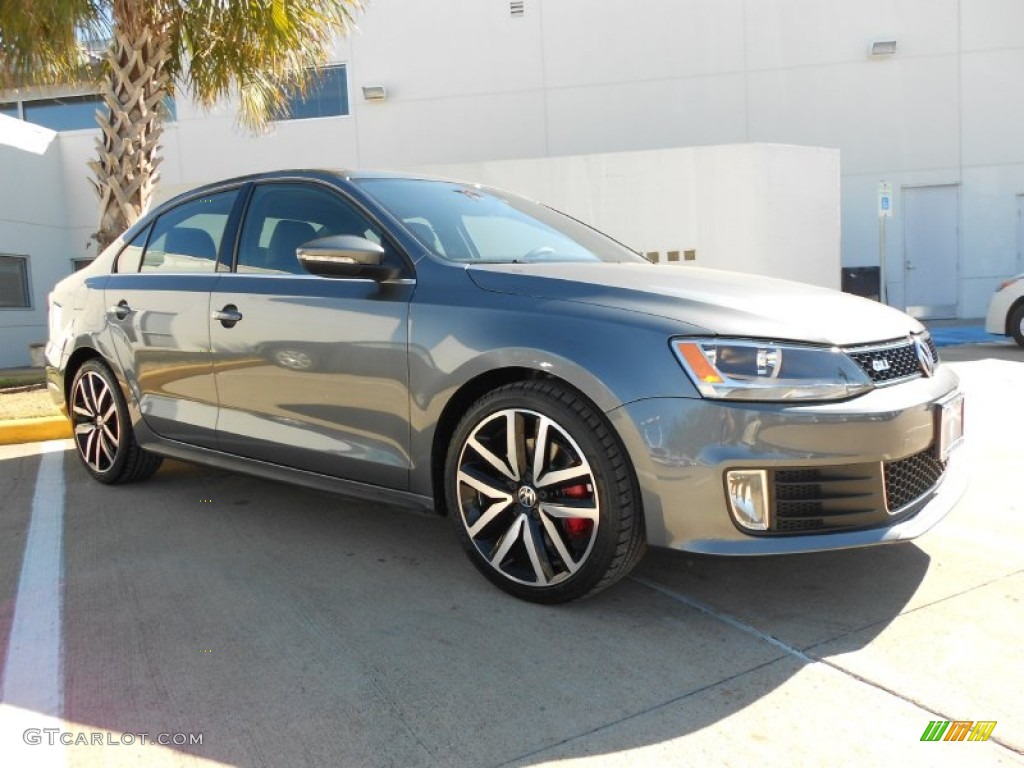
884	212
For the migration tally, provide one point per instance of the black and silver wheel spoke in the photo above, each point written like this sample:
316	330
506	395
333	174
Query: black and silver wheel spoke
527	497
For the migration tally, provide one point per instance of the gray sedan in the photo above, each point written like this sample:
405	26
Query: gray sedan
456	348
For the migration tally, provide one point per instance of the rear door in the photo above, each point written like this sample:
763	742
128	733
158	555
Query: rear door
158	310
311	371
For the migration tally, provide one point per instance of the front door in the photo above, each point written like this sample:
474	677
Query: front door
931	250
313	373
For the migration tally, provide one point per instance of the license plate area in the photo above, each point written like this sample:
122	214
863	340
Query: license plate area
949	426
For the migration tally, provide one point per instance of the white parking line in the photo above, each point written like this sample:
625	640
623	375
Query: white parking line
32	669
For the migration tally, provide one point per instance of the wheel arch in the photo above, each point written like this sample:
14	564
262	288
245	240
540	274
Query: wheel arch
475	388
77	359
1017	305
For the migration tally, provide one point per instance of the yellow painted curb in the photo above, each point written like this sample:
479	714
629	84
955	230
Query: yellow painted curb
34	430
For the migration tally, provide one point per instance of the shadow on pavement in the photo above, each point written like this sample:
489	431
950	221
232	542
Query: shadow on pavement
290	627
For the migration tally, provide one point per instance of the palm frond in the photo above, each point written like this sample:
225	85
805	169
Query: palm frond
43	41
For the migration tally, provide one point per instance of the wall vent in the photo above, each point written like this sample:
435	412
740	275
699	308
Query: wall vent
517	8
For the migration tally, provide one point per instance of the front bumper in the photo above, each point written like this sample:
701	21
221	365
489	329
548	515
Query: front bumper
682	447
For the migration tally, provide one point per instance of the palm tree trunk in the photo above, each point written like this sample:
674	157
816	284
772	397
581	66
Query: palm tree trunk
128	150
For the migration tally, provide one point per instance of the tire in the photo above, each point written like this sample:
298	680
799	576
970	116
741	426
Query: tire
549	528
1016	324
102	428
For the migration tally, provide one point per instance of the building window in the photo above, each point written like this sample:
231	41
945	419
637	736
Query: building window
78	264
14	282
67	113
327	96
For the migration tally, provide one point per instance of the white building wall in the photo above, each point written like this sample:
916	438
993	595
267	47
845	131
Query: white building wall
468	83
32	224
758	208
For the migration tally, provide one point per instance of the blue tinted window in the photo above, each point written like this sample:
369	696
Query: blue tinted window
10	109
67	113
327	96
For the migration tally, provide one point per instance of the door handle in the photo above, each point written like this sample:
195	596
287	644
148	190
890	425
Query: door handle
121	310
227	316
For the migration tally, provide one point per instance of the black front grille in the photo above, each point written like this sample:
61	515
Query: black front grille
813	499
850	496
909	479
888	363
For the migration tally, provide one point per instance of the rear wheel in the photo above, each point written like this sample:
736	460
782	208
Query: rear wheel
1016	324
541	494
102	428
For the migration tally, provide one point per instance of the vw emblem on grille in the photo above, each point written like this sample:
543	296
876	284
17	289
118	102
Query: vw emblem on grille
924	356
879	364
527	496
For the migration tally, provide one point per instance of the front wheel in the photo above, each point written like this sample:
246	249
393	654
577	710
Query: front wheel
102	428
1017	324
542	496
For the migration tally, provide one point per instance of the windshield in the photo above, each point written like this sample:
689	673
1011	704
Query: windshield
465	223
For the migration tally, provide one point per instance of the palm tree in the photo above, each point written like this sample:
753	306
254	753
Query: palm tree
263	51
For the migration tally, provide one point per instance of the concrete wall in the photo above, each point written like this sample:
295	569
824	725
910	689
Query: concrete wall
32	216
758	208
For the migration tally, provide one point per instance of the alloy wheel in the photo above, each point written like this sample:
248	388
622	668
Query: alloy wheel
527	497
97	427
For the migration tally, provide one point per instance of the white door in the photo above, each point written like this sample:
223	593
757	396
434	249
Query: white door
931	250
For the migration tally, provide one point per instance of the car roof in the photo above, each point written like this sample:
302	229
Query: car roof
323	174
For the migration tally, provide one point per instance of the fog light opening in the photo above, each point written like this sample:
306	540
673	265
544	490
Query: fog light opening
747	490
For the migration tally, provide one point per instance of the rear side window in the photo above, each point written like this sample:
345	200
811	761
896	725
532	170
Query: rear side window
189	237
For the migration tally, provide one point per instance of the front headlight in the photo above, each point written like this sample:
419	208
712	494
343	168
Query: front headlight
1007	283
742	369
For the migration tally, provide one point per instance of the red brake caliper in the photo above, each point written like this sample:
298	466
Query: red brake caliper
577	527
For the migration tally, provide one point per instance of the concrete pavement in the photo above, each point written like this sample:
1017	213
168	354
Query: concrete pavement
288	627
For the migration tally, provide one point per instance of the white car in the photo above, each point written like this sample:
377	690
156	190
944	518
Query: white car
1006	310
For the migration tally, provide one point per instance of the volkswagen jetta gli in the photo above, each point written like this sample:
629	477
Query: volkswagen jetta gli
453	347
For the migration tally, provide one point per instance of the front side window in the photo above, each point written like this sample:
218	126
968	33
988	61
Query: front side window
471	224
189	237
14	292
281	217
327	96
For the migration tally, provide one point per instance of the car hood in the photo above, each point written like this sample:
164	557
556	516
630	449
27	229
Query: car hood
707	300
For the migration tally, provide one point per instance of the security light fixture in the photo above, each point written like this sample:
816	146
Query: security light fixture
375	93
883	48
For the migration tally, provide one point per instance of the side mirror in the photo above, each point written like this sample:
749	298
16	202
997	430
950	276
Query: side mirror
345	256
